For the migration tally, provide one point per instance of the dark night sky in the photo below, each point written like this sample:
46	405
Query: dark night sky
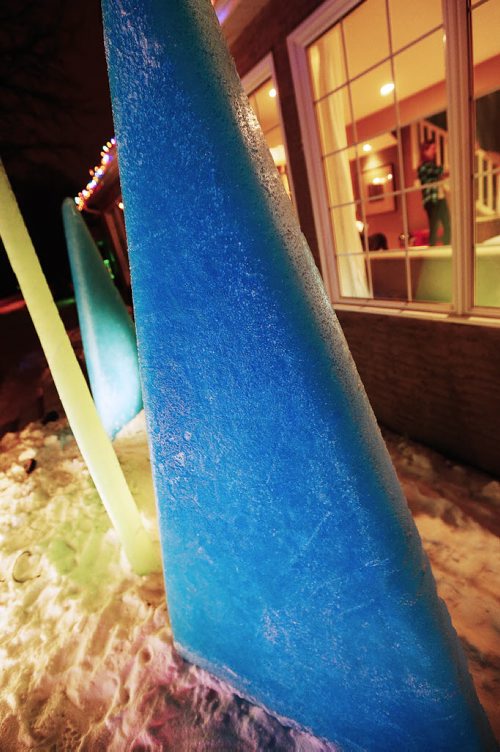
55	116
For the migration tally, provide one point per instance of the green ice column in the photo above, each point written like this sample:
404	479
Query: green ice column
108	333
292	565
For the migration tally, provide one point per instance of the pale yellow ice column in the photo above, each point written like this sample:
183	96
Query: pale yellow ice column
77	401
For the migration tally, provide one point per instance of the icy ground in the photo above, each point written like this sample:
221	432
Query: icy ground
85	645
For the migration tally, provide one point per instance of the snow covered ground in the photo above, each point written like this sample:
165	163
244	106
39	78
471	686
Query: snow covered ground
86	647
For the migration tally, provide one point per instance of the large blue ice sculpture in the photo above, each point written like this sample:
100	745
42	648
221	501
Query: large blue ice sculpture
108	333
293	568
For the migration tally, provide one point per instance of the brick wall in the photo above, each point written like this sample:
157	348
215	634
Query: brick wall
437	382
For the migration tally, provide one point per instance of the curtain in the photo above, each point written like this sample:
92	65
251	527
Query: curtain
326	64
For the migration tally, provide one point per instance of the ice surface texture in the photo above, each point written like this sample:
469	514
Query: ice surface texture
108	333
293	568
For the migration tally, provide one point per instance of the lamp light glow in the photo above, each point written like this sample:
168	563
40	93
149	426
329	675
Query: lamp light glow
387	89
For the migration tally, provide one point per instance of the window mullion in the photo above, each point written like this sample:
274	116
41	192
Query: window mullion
460	126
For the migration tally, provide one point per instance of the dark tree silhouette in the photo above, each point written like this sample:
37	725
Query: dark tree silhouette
54	115
39	102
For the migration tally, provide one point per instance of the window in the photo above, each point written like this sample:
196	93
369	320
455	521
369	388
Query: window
392	150
260	86
486	83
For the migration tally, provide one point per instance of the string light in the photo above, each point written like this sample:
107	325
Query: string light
108	153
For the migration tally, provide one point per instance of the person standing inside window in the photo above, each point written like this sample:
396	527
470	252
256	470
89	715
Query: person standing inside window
433	197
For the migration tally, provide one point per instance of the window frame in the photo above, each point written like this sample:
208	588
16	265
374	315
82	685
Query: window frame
459	72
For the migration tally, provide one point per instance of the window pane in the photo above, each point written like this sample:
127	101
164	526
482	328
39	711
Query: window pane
485	42
377	146
379	166
274	137
388	276
334	121
420	78
353	276
424	227
373	109
266	106
414	136
345	229
486	56
351	262
431	275
411	20
264	102
326	63
251	99
487	271
337	166
436	206
384	224
366	37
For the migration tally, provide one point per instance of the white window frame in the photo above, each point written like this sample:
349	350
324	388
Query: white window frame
456	21
253	79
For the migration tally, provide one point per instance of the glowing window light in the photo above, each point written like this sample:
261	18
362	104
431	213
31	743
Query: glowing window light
387	88
381	180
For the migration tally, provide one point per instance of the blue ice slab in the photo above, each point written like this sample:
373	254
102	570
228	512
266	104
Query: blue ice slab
292	565
108	333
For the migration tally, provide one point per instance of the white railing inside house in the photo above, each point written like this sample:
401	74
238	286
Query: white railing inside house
487	170
486	166
422	131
